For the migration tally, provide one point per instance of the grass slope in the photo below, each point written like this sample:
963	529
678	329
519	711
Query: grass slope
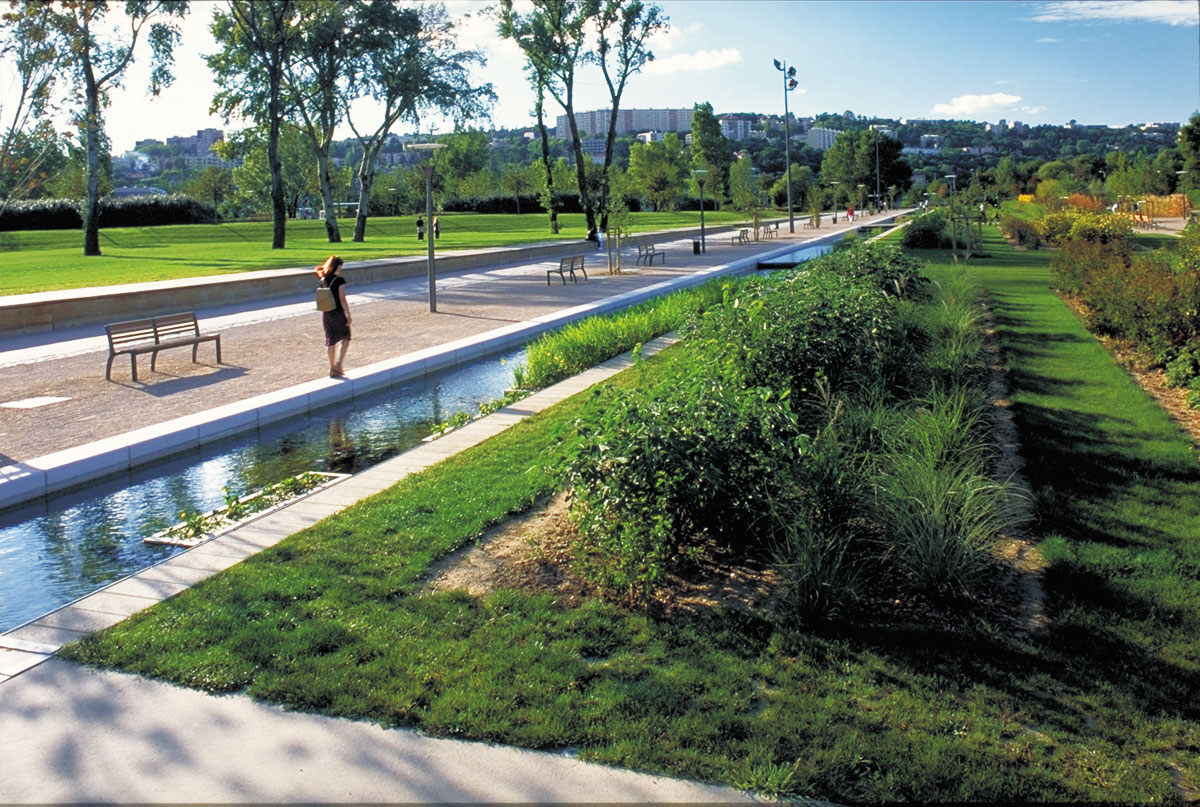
53	259
1102	706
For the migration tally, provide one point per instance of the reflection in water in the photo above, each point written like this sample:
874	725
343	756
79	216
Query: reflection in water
58	550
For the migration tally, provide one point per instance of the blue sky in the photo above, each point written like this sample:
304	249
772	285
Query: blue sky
1094	61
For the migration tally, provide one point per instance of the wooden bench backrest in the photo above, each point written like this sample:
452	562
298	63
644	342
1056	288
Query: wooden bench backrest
175	325
133	332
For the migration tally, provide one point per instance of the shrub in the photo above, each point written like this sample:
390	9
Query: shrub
663	471
1023	231
127	211
1056	226
1081	201
927	231
1184	367
807	327
885	266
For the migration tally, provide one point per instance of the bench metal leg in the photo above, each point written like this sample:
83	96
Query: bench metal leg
218	343
133	365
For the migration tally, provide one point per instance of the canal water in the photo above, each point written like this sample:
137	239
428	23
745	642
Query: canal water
70	545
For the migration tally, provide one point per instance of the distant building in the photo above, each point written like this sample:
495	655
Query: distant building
886	131
595	122
593	146
650	137
198	144
737	127
821	138
931	141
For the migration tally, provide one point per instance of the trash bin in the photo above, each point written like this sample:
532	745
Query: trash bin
695	247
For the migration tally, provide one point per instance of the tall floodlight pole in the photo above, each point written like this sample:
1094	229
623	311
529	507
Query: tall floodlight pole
427	167
789	84
699	174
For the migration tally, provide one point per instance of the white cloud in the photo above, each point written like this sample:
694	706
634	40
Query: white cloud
965	106
694	62
1168	12
673	37
1032	110
1047	39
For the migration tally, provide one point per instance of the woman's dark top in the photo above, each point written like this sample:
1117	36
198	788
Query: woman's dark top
334	321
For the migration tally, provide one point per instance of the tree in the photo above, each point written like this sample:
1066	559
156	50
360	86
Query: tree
745	194
465	155
623	28
552	38
314	87
95	54
657	171
711	151
409	65
258	41
1189	152
851	161
518	180
214	184
28	141
802	178
255	181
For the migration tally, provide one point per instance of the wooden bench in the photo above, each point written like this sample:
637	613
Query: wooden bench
770	230
647	253
808	225
567	266
742	237
152	335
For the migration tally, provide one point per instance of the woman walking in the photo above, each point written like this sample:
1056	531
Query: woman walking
337	320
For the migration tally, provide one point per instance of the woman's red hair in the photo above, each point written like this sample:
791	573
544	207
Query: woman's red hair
331	264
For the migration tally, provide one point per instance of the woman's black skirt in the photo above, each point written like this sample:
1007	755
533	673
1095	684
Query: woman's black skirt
336	327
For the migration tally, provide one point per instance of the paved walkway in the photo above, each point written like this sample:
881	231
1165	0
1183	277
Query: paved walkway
267	348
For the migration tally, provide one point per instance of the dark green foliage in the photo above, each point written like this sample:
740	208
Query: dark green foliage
1023	231
927	231
659	472
802	329
128	211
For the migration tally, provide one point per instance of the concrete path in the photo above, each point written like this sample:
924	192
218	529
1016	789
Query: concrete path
72	735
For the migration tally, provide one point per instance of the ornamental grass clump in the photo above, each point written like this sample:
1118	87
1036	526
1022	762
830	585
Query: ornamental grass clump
588	342
942	510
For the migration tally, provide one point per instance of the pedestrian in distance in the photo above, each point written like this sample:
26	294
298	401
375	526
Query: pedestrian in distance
336	321
420	228
437	228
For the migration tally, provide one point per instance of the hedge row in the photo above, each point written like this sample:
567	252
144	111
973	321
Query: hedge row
128	211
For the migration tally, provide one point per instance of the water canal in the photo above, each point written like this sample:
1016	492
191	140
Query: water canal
69	545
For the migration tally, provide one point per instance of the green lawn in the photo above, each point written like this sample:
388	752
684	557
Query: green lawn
1101	706
53	259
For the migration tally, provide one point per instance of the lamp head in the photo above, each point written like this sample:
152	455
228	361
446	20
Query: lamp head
778	66
793	84
791	71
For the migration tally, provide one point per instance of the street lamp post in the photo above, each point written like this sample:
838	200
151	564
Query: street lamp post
699	174
789	84
427	167
834	185
861	204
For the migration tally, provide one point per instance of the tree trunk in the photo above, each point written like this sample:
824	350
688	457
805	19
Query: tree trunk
91	210
331	224
585	199
278	201
609	140
550	204
366	178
